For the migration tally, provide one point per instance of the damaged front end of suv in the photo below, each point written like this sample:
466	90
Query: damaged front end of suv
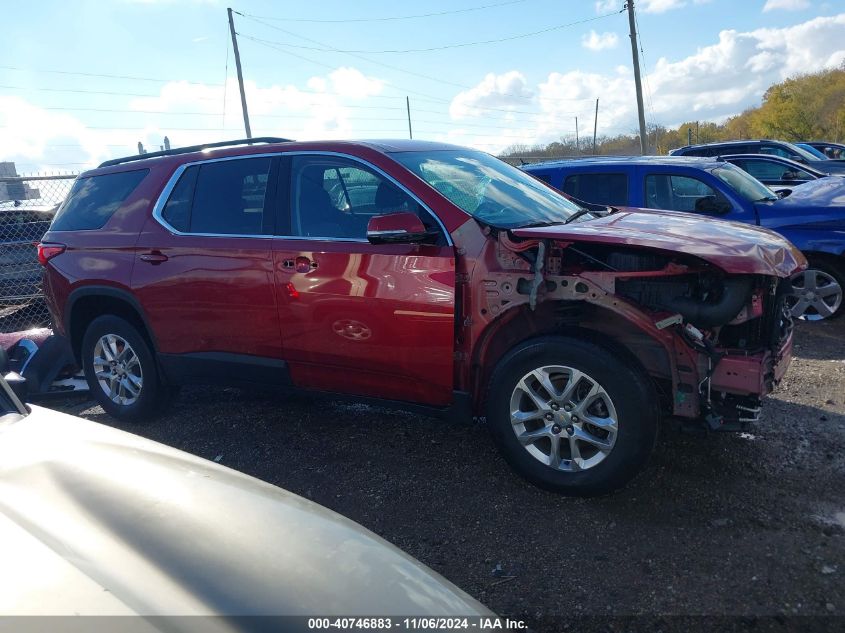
580	327
699	304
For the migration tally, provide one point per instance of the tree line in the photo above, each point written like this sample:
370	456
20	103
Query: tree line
804	108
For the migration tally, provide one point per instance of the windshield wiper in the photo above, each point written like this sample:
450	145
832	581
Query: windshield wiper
578	214
571	218
535	225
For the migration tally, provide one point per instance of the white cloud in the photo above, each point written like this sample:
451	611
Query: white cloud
606	6
39	139
715	82
654	6
786	5
659	6
494	91
599	41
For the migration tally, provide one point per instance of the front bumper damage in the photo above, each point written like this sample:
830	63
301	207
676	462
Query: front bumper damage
720	385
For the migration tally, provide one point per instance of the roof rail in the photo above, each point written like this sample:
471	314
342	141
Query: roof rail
195	148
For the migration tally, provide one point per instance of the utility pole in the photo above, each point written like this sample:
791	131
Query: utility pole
577	146
637	83
595	125
240	74
408	107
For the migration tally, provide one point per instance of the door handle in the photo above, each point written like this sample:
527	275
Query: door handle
154	258
300	265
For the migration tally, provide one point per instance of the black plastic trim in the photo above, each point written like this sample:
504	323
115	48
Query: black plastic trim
195	148
107	291
223	368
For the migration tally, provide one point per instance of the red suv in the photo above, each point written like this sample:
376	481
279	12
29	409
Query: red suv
421	273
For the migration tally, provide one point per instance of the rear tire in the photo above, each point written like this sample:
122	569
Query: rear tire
818	293
572	416
121	370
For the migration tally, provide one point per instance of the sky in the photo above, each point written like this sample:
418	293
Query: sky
83	81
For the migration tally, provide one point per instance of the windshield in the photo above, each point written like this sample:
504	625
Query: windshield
812	150
488	189
743	183
801	152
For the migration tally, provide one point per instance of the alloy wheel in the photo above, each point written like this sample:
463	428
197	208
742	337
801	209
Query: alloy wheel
564	418
815	295
118	369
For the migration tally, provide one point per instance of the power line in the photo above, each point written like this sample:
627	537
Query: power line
435	48
271	44
392	18
125	111
275	45
97	92
307	104
79	74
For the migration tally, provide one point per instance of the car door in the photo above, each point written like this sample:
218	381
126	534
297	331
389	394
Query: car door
691	193
203	269
368	319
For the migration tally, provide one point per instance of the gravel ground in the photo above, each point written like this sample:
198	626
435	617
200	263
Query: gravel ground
750	524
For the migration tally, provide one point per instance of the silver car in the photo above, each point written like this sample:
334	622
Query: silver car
96	521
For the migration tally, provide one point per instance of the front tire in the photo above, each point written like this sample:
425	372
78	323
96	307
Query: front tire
121	370
572	416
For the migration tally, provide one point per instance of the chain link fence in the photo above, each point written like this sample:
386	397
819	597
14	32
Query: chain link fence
27	206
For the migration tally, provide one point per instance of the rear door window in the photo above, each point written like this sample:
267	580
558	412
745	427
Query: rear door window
93	200
229	198
600	188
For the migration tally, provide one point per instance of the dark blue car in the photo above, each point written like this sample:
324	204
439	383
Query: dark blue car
812	216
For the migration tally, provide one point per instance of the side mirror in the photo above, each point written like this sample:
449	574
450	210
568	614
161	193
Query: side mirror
400	227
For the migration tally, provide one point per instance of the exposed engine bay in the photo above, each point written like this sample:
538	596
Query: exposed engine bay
714	343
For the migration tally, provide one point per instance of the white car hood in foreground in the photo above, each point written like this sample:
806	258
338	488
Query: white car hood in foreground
95	521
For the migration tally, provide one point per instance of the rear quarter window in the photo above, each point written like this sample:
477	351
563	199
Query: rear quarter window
94	199
598	188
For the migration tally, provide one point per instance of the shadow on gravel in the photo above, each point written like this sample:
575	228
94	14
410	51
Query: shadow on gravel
823	340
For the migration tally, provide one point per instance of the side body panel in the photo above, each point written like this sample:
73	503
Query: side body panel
374	320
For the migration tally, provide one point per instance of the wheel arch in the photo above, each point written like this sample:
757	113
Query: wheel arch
86	304
831	257
588	322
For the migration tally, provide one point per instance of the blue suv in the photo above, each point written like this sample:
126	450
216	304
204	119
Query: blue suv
812	216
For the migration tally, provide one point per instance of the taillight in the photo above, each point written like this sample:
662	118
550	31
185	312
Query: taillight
48	250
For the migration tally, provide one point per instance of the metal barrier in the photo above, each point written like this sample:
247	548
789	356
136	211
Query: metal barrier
27	206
